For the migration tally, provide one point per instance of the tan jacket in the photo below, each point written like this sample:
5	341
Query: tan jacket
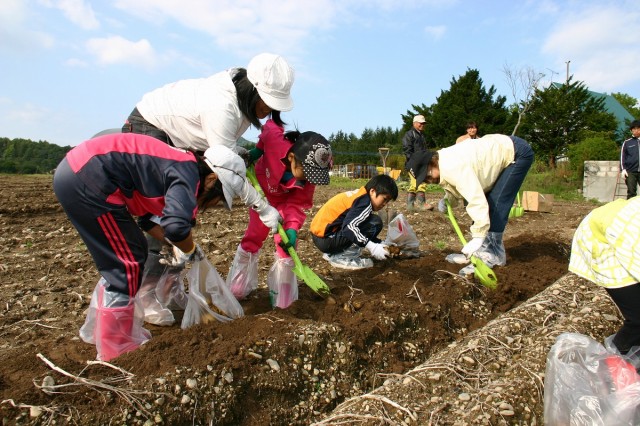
469	169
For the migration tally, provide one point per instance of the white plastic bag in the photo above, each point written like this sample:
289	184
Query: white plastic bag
282	283
401	234
586	384
208	297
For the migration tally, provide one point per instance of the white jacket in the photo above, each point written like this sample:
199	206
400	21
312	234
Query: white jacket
469	169
197	113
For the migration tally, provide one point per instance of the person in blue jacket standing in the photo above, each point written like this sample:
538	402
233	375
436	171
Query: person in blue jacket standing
630	161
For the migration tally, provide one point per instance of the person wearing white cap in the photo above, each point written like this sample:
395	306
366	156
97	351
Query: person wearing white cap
105	181
412	142
217	110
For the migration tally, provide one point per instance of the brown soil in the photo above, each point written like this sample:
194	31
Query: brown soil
388	319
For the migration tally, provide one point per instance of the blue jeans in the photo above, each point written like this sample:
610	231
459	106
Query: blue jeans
505	190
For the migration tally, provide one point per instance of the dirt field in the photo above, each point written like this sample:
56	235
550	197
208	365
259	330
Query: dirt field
380	325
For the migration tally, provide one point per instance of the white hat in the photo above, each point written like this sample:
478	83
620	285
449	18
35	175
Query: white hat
419	118
272	76
229	168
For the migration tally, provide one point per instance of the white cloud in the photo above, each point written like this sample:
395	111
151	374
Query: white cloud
436	32
77	11
15	33
244	26
600	42
118	50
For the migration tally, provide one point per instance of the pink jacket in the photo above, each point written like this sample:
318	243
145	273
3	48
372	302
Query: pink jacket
291	198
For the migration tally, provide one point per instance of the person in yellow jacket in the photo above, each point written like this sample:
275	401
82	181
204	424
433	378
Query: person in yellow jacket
487	173
606	251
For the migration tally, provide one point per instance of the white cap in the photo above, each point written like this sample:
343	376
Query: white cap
419	118
229	168
272	76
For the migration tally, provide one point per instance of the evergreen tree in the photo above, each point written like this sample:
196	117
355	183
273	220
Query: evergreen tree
560	114
466	100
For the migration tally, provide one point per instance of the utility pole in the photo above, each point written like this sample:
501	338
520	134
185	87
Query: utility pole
568	62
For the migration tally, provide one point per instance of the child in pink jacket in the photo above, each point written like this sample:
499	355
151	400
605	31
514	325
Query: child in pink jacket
292	165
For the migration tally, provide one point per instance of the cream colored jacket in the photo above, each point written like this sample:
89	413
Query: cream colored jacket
469	169
606	245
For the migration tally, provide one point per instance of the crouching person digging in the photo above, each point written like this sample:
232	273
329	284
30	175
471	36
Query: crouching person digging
104	182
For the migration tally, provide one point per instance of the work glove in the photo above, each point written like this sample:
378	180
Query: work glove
624	173
378	250
442	206
180	258
268	215
472	246
292	236
255	154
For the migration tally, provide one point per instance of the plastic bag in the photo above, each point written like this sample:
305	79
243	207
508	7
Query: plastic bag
401	234
282	283
114	323
161	290
586	384
208	298
243	275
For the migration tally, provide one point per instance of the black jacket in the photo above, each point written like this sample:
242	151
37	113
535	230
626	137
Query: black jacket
412	142
629	160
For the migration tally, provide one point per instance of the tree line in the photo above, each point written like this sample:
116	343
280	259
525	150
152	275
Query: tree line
25	156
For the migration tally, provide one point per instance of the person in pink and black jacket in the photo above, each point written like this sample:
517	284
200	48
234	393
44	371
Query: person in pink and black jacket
106	181
292	165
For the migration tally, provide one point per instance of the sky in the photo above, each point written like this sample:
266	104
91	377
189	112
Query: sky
72	68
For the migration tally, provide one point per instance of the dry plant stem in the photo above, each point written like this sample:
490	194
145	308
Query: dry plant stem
127	395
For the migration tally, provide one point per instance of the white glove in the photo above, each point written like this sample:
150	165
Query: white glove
472	246
179	257
378	250
442	206
624	173
268	215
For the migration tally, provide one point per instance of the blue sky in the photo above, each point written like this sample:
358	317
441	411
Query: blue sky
71	68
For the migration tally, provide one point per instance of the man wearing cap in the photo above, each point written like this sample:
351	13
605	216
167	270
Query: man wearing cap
630	161
105	181
414	142
487	174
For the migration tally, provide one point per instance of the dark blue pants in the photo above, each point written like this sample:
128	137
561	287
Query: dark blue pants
505	190
114	240
338	242
628	301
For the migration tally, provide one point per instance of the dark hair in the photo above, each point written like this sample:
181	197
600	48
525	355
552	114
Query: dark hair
634	124
248	97
471	124
292	136
383	185
205	196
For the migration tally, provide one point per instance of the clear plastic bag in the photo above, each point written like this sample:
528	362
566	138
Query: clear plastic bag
243	274
161	291
586	384
208	298
114	323
401	234
282	283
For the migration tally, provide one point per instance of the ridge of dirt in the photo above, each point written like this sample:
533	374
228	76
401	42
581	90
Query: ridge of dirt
273	366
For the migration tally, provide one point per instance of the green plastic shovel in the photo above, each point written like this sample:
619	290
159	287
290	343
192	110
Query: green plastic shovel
313	281
481	271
